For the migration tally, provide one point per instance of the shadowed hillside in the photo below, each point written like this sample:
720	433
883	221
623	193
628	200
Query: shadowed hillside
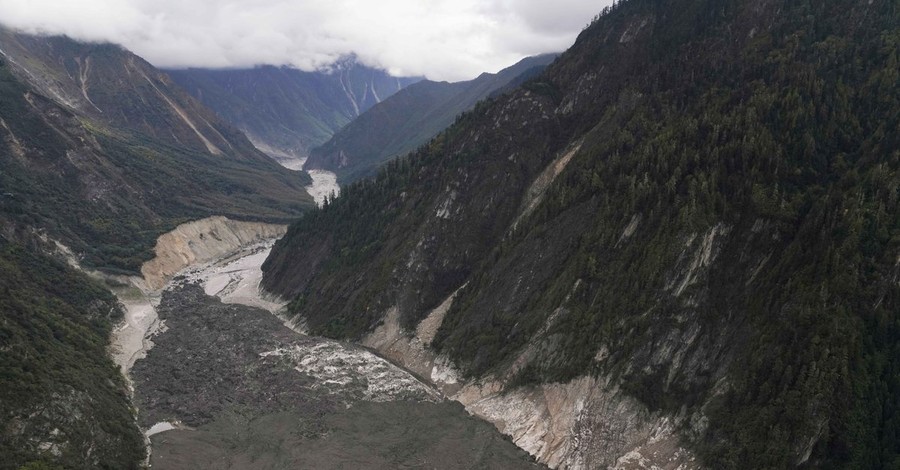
694	211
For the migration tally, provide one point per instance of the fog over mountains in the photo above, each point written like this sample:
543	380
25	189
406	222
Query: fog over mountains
674	245
442	39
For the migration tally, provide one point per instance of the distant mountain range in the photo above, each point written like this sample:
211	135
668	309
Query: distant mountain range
408	119
105	152
286	111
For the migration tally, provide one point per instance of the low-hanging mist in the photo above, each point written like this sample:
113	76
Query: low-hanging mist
440	39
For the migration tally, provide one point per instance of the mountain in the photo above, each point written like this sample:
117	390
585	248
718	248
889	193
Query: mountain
403	122
63	399
678	245
288	111
104	83
105	153
100	153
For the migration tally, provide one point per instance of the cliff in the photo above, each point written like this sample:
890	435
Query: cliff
201	241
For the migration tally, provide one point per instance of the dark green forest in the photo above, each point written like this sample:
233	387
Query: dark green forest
55	371
768	129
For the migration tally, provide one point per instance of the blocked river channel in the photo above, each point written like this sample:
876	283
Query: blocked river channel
221	380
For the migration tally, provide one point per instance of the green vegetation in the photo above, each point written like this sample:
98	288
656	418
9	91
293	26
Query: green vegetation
64	401
106	184
410	118
109	194
289	109
766	138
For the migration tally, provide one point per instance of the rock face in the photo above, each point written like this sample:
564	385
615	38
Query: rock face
202	241
677	247
584	423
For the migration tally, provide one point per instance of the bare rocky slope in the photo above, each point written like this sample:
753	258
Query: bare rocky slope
678	246
202	241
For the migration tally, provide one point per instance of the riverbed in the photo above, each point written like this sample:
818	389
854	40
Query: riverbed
324	183
233	278
221	382
221	379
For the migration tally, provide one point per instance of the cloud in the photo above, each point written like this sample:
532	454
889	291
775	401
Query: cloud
441	39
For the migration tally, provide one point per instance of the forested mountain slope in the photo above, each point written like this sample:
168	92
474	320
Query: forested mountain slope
64	401
105	153
409	119
288	111
102	153
695	207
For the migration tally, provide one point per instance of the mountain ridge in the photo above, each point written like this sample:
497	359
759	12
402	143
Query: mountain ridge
99	155
693	209
405	121
288	111
128	144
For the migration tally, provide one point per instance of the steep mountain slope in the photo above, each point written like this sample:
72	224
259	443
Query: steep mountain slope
681	243
101	150
107	84
101	153
63	399
409	119
287	111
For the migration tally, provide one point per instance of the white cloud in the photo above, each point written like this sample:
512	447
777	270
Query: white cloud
441	39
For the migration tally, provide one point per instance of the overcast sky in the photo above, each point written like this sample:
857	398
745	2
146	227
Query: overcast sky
441	39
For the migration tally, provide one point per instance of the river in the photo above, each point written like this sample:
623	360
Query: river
324	183
236	283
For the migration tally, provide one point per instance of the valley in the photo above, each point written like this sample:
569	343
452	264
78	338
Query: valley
220	382
674	245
